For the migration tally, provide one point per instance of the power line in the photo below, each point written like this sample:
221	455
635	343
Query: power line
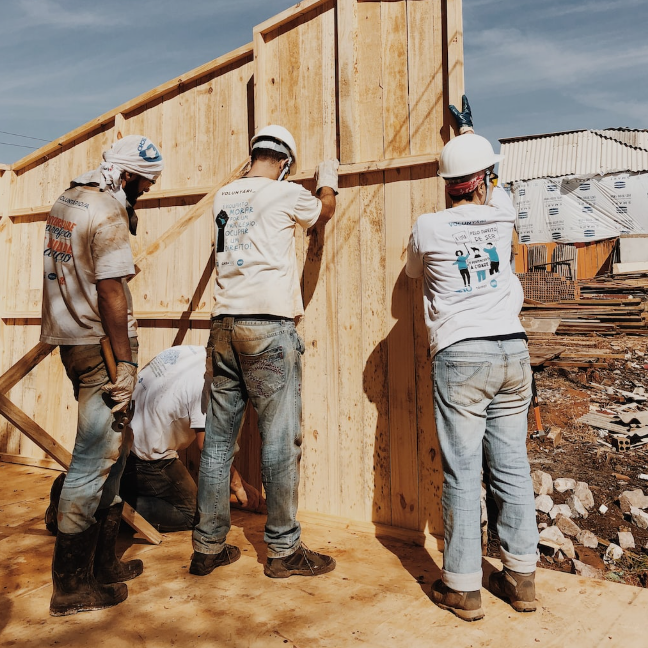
21	145
40	139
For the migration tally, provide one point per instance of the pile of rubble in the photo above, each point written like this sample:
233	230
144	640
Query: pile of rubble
558	536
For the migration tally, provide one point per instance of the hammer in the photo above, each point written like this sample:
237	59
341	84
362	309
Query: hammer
123	418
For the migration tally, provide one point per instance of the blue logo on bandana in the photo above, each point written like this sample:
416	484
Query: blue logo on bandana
150	153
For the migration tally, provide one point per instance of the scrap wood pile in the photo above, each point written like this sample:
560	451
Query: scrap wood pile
606	306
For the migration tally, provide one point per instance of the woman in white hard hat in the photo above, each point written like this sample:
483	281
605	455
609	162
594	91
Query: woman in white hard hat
481	375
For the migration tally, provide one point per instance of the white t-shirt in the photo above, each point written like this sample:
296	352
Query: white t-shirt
169	402
256	265
469	288
86	239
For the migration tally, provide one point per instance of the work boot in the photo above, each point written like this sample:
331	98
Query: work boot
107	567
302	562
75	587
203	564
466	605
51	521
518	588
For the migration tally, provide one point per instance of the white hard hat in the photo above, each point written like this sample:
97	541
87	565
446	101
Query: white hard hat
466	154
278	135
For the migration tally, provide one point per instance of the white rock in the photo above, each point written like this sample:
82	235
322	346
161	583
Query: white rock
567	547
586	571
560	509
626	540
553	534
568	527
587	539
542	525
563	484
613	553
643	476
603	509
576	506
639	517
543	503
584	494
634	498
542	482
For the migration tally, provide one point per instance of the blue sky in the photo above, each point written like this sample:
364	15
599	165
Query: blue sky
531	67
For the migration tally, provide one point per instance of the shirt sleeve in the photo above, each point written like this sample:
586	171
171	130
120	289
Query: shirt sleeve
414	266
111	250
502	201
307	209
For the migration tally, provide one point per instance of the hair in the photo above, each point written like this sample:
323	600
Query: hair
459	253
267	154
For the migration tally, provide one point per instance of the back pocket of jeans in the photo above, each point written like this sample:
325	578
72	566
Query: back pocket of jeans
467	381
264	373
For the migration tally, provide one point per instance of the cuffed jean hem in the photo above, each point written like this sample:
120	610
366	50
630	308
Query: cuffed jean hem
204	546
285	553
463	582
520	564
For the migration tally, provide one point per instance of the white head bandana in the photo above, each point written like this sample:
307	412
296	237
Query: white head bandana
133	153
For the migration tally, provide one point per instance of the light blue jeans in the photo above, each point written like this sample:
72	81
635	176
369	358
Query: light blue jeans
482	390
100	449
261	360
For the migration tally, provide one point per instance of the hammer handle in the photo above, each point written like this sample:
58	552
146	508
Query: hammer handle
109	358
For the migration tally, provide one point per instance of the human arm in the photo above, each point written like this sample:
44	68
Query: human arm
113	310
200	439
326	177
327	198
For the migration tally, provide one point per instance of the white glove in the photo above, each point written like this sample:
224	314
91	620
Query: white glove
121	391
326	175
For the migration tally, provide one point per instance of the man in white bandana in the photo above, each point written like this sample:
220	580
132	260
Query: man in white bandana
87	261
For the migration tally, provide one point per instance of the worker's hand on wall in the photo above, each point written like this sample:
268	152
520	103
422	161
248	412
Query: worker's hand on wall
326	175
121	391
463	118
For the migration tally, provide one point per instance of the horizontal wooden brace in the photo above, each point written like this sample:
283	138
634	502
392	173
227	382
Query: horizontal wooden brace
308	174
294	12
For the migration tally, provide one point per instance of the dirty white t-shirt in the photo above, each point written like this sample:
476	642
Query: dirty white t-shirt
169	402
256	266
86	239
469	289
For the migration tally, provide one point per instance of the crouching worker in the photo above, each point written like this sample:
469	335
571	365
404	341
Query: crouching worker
481	378
169	415
87	259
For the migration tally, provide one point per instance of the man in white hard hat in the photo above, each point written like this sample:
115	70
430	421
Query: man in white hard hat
256	352
481	376
87	260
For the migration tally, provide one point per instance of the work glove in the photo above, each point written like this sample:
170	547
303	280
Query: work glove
121	391
326	175
463	118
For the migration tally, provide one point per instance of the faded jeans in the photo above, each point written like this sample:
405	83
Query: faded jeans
260	360
482	390
100	450
162	491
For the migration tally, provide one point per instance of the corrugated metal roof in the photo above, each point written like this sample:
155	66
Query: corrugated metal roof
574	153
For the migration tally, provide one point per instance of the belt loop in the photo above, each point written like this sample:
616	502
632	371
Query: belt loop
228	323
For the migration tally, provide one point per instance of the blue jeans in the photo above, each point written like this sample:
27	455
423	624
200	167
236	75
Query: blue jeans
259	359
482	390
162	491
100	450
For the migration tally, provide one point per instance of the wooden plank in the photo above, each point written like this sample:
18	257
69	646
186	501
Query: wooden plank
400	350
21	368
347	58
395	79
289	15
203	70
50	464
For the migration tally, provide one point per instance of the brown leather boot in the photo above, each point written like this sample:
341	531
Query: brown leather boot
466	605
107	567
75	587
204	564
303	562
517	588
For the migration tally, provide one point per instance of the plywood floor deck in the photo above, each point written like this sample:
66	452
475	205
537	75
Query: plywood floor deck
376	597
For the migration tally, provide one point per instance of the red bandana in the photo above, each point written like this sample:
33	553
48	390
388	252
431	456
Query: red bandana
461	188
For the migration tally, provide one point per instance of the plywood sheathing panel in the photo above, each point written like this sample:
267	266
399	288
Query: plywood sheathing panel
365	81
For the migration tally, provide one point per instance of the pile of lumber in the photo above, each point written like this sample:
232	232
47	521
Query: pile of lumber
606	306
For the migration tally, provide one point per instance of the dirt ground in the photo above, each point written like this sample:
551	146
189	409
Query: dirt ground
565	395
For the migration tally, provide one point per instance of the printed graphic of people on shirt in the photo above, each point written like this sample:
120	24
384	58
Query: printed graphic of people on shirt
491	250
462	264
479	264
